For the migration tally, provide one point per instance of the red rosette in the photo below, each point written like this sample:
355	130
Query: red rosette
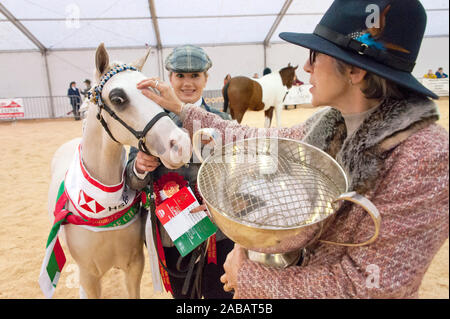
171	178
170	184
197	195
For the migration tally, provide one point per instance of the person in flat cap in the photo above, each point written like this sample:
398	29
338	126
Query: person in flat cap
379	124
188	67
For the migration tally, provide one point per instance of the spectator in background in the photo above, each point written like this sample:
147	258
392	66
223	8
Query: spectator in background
267	71
430	75
256	76
75	99
227	79
440	74
87	82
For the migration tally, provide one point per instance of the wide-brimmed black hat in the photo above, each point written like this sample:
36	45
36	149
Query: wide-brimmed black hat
380	36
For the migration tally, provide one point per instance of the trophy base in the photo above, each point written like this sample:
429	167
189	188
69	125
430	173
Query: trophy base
276	260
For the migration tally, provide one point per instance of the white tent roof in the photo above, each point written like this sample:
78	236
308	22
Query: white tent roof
74	24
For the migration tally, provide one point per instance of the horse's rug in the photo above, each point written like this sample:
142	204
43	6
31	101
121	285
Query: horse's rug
96	206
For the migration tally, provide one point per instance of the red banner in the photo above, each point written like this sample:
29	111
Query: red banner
11	108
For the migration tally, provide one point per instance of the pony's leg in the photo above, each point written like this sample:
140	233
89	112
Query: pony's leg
233	116
90	283
82	293
133	275
268	117
239	116
278	110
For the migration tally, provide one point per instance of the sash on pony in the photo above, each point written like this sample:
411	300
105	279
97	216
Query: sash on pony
99	208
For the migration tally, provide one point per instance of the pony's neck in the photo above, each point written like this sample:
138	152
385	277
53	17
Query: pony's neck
102	157
286	77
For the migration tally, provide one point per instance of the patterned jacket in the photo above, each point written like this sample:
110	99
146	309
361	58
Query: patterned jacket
398	159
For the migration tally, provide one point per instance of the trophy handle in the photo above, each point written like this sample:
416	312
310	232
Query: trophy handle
198	139
369	208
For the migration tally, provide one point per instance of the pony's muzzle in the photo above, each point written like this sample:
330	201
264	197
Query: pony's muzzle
176	148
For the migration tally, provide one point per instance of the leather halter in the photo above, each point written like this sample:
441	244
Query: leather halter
95	96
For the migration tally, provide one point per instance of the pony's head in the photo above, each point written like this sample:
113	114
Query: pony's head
287	75
130	118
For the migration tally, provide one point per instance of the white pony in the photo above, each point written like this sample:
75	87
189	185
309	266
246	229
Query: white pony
120	111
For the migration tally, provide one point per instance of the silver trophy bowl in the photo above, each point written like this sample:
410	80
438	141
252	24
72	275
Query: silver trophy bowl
273	196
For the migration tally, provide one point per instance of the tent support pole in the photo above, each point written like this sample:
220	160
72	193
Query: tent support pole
151	6
49	84
265	55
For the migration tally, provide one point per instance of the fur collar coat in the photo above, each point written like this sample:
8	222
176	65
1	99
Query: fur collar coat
398	159
362	154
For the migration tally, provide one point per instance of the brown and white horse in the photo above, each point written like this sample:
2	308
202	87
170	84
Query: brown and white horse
124	117
267	93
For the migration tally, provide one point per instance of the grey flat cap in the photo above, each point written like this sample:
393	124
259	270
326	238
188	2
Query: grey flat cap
187	59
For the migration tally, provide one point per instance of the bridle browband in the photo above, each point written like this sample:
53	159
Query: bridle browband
95	96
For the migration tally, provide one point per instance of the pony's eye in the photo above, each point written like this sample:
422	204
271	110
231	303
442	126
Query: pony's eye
117	100
118	97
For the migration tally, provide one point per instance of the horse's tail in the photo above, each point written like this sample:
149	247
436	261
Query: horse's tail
225	97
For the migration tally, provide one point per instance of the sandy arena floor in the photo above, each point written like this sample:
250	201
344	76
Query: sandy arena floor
28	147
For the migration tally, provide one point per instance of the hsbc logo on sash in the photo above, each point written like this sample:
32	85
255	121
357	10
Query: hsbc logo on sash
89	204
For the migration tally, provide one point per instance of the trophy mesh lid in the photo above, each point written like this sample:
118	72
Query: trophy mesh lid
271	183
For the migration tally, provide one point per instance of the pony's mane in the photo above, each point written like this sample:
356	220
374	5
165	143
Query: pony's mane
109	68
87	102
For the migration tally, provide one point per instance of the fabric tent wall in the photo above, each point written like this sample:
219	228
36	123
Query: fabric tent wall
434	53
28	78
67	66
27	75
24	73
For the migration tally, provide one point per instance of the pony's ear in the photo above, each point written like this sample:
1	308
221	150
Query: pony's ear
101	60
296	67
139	63
289	64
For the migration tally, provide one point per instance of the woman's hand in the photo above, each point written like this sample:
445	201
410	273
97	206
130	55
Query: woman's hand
167	99
201	208
232	264
146	163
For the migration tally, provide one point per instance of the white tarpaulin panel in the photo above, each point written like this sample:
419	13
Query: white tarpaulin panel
220	30
308	7
177	8
70	9
70	24
215	22
290	23
89	33
11	38
437	23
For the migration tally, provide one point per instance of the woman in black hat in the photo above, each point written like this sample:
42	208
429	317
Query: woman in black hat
188	66
380	125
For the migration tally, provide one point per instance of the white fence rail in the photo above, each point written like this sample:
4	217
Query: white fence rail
438	86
